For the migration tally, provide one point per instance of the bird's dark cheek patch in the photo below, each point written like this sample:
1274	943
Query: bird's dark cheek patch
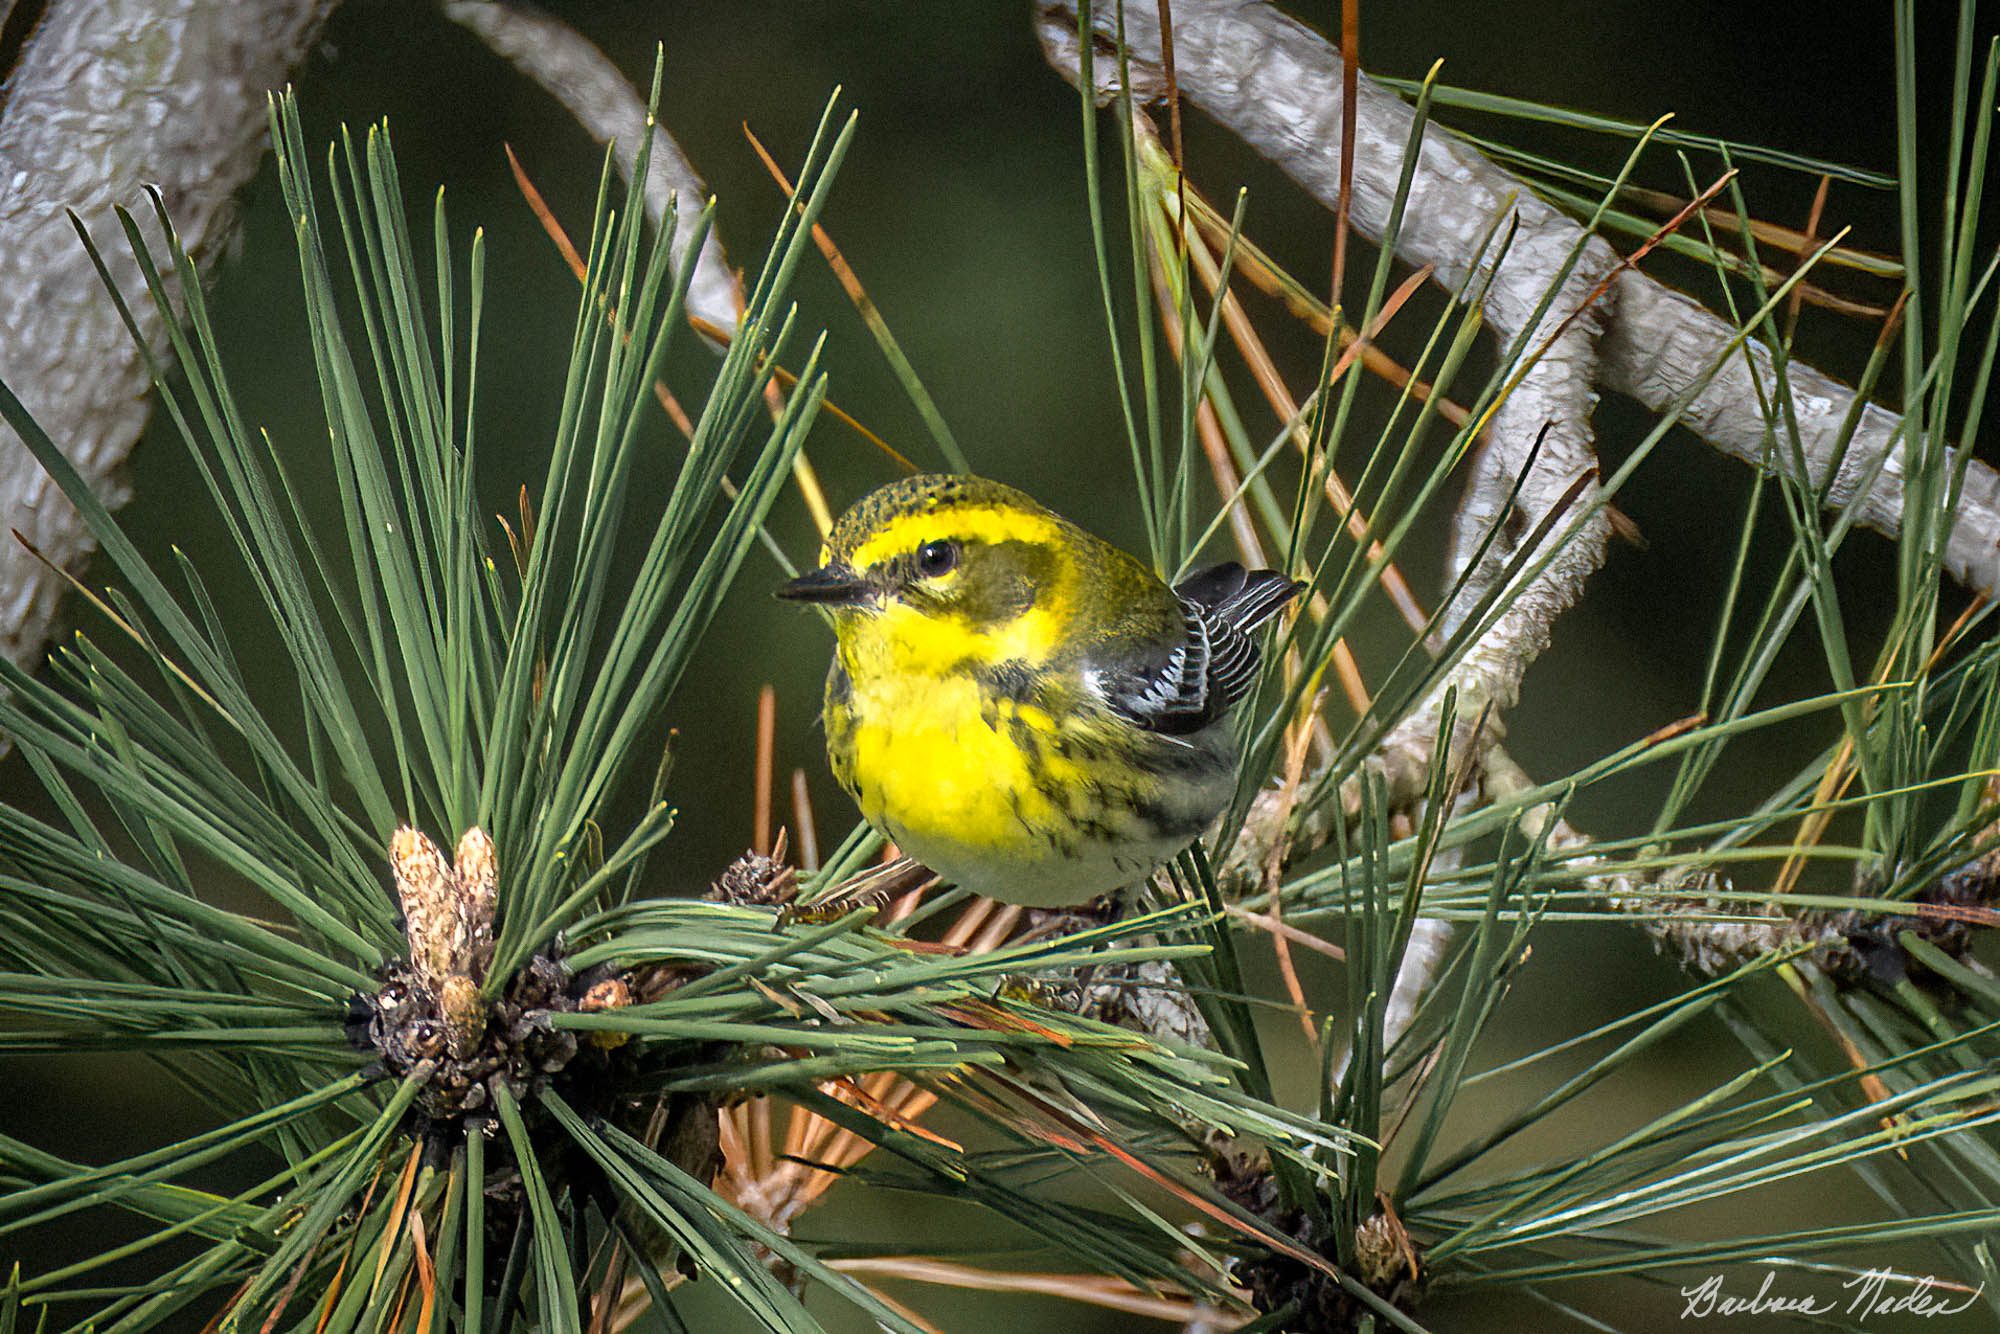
1003	579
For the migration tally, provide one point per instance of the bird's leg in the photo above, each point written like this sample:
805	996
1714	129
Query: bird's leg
1101	911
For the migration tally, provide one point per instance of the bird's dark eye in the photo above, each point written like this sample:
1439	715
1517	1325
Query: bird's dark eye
936	558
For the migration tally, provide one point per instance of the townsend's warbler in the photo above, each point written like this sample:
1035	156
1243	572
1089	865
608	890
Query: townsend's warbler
1023	707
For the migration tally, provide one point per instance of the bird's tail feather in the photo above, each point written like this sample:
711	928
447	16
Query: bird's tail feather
1238	598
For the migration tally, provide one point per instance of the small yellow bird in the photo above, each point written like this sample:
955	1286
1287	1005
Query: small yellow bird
1020	705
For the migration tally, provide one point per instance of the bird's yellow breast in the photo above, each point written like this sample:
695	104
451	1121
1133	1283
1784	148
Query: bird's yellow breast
928	752
1003	774
928	764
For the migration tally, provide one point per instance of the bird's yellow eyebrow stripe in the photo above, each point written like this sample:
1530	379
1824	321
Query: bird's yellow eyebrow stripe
972	523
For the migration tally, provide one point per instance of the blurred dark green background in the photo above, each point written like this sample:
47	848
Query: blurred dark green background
961	207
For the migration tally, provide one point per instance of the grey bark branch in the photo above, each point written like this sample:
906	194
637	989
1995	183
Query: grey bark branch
1276	84
567	66
110	96
1661	342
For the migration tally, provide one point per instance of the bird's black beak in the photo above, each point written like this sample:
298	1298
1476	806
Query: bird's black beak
834	585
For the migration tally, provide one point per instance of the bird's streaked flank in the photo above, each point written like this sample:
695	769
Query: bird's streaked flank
1020	705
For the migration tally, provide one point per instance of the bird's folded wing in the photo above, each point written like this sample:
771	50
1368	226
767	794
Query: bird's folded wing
1215	661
